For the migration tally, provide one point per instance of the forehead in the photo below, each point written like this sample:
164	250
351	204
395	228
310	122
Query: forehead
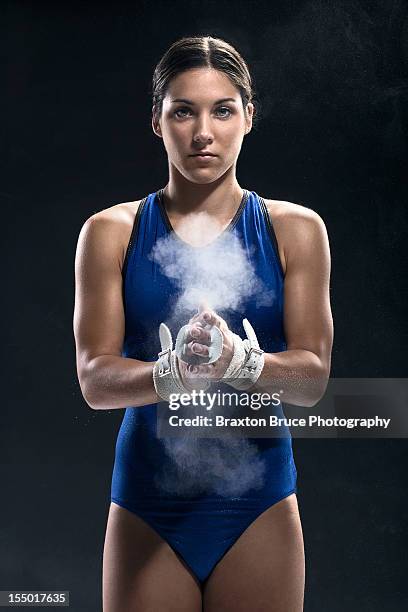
201	85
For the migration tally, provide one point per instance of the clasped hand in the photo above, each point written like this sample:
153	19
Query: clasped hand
197	342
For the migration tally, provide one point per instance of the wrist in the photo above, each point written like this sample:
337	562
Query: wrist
247	362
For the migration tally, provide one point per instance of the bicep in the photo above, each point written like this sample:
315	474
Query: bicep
307	312
98	313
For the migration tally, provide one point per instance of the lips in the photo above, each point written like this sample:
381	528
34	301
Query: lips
203	155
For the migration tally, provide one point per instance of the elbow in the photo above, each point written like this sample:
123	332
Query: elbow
90	383
91	403
321	382
88	387
88	394
314	401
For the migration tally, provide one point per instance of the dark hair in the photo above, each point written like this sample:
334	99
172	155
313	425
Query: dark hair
202	51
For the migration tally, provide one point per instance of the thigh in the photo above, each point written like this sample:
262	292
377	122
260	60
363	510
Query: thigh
141	572
264	571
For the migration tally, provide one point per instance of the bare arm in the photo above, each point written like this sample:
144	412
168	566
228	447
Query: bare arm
107	379
302	370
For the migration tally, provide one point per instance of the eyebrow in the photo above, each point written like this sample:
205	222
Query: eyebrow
184	101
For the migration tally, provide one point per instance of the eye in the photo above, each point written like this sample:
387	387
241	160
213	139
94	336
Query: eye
182	109
224	108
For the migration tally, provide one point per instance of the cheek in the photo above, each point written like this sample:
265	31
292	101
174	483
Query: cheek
232	139
176	138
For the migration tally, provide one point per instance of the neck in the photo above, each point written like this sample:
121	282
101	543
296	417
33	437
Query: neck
220	198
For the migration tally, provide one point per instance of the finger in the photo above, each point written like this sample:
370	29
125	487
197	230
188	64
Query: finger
199	334
209	317
198	349
194	349
198	314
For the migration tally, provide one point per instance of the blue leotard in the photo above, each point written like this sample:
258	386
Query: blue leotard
199	527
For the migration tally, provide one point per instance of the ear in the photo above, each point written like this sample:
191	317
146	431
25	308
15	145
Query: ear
249	117
156	123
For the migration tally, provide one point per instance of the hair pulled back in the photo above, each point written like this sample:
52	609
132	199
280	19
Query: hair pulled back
197	52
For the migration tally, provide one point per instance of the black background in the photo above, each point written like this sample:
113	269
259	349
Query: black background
332	80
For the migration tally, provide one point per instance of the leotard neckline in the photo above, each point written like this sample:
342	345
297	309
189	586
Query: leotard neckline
230	226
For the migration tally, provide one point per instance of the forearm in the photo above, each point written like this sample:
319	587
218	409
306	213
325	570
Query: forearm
110	381
298	375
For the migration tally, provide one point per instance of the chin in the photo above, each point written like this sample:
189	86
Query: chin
203	181
202	178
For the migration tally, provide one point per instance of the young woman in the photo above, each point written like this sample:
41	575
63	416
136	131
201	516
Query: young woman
208	550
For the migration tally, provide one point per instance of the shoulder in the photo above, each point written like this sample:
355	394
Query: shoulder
288	213
110	229
298	229
118	215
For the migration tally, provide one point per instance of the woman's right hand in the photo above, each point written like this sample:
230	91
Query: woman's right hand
197	343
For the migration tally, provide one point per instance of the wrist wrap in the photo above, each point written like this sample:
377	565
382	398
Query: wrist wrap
166	374
247	361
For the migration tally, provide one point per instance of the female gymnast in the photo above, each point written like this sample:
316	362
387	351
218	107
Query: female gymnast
208	550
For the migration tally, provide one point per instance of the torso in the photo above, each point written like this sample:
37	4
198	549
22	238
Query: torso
283	214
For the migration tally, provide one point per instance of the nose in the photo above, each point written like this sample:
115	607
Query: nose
202	131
